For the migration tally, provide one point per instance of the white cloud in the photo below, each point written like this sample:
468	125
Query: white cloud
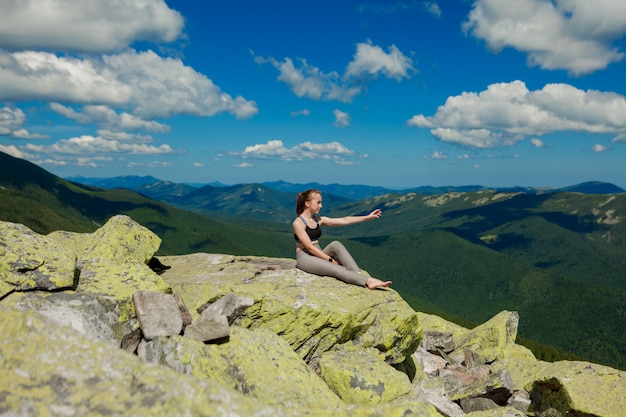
86	26
463	156
438	155
538	143
342	119
599	148
562	34
124	136
243	165
275	149
89	144
105	117
11	119
197	164
13	151
150	85
304	112
369	62
620	138
506	113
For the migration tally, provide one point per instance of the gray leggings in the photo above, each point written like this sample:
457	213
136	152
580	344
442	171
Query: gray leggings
348	271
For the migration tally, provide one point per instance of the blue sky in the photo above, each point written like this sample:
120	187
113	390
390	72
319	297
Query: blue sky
391	93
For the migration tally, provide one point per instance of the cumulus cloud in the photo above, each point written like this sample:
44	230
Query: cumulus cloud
86	26
506	113
371	60
149	85
573	35
369	63
275	149
11	121
438	155
342	119
89	145
538	143
105	117
599	148
303	112
78	56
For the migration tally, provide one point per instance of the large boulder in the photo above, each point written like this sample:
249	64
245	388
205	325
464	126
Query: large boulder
30	261
255	362
571	388
363	377
50	369
104	268
312	313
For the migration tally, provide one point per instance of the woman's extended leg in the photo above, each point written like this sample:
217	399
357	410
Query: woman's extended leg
338	251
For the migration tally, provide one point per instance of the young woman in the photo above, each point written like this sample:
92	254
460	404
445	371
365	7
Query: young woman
334	260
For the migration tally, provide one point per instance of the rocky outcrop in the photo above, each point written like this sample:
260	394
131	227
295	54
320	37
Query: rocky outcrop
89	328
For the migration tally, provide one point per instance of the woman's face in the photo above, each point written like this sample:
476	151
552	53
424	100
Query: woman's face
315	203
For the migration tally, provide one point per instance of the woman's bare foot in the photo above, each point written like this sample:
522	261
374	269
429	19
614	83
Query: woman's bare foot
373	283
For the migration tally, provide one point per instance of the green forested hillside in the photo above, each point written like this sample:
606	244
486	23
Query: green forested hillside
44	202
557	258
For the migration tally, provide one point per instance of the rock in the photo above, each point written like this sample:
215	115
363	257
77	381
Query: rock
231	306
30	261
470	405
491	339
520	400
362	377
216	317
433	341
208	328
257	363
431	364
312	313
436	398
578	388
131	341
123	240
158	314
184	311
49	369
97	317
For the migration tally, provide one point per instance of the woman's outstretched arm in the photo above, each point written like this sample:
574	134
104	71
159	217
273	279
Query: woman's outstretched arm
347	220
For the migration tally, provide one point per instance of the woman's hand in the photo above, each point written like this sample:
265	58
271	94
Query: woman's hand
375	214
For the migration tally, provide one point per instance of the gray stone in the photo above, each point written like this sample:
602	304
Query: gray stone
520	400
230	305
184	311
158	314
208	327
470	405
433	341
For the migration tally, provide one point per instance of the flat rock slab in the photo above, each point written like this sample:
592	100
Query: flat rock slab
312	313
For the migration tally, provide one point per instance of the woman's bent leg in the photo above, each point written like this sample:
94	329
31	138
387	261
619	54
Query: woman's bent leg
338	251
314	265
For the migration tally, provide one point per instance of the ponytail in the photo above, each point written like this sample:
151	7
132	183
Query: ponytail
302	198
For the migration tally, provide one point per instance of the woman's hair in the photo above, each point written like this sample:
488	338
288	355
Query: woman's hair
302	198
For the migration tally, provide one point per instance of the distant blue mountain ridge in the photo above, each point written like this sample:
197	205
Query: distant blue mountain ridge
352	192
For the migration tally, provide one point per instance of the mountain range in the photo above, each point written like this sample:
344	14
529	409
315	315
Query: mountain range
556	256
